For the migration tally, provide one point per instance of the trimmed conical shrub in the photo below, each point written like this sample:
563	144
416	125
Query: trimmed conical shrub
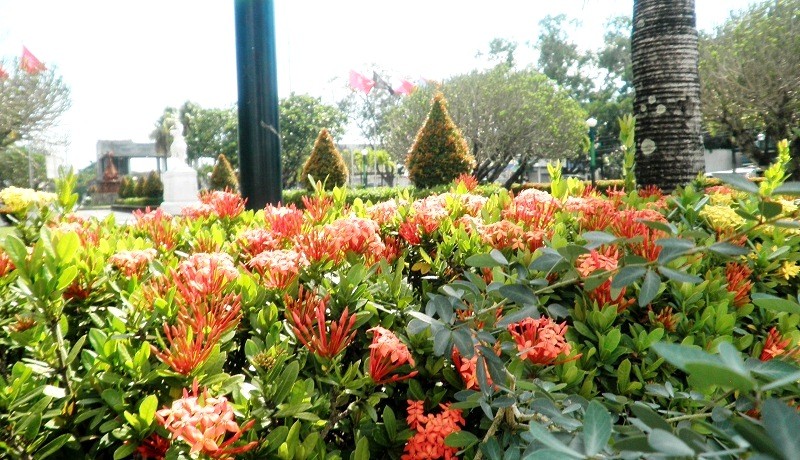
440	153
153	187
125	188
223	177
138	190
325	163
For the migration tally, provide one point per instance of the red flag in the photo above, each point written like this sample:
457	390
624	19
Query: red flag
358	81
29	63
3	73
406	87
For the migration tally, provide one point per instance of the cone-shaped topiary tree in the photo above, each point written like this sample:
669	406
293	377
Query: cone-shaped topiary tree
138	189
223	177
125	188
153	187
325	163
440	153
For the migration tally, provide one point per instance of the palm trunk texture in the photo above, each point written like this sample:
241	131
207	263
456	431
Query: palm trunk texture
669	149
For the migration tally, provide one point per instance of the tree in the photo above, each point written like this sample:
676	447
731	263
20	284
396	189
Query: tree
560	59
507	117
301	119
440	153
30	103
138	190
161	134
325	163
223	177
125	188
211	132
669	149
750	75
153	187
14	167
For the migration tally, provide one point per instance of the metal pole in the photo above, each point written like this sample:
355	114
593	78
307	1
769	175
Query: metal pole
592	153
259	140
30	169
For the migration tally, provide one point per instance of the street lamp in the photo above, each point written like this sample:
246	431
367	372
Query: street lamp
591	123
364	167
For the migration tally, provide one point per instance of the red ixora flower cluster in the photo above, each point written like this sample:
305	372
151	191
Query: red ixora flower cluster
739	283
431	431
218	203
540	341
131	263
206	311
386	355
776	345
306	314
156	225
606	258
204	422
278	268
467	180
284	221
6	266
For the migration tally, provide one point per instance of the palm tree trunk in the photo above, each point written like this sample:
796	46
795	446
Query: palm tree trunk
669	149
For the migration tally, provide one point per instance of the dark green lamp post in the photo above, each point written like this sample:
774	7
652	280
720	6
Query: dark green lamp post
591	123
364	154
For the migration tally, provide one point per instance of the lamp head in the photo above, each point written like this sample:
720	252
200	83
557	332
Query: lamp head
591	122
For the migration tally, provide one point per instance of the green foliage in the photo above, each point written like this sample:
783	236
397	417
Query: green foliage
325	163
138	189
301	119
14	167
153	187
211	132
440	153
125	187
627	132
223	177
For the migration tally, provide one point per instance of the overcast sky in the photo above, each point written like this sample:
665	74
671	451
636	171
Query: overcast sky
124	61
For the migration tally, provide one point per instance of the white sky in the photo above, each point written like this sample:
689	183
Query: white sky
125	61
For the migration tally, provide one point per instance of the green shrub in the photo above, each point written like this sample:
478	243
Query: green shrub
223	177
325	163
125	188
153	187
138	190
440	153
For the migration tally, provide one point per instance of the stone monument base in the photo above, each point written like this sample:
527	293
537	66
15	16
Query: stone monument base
180	189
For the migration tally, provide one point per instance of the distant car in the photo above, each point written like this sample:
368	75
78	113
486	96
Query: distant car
748	171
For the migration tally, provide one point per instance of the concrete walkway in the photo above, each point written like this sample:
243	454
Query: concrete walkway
120	217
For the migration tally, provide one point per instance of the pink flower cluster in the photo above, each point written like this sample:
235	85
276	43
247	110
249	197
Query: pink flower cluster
217	203
278	268
204	422
131	263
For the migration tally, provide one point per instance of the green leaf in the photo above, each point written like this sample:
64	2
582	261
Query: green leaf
546	454
673	248
782	424
597	239
728	249
756	436
460	439
770	209
737	181
114	399
390	422
53	446
519	315
719	374
666	442
493	259
125	451
66	277
548	261
15	249
649	290
681	277
73	353
771	302
464	343
596	428
544	436
788	188
147	409
285	382
519	294
362	449
626	276
681	355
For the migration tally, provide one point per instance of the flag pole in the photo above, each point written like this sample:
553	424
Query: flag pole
259	139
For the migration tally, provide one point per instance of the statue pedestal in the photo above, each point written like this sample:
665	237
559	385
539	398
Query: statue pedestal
180	189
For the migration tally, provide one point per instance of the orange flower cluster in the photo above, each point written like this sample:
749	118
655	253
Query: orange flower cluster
205	311
6	266
431	431
540	341
468	369
356	234
666	318
317	207
156	225
628	224
605	259
775	345
258	240
324	338
468	181
284	221
88	231
204	422
278	268
226	204
386	355
535	208
318	245
594	213
739	283
131	263
503	234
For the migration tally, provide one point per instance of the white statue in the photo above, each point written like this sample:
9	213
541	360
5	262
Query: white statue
177	149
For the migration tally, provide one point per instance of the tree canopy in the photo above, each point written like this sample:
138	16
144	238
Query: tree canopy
750	76
30	103
506	116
